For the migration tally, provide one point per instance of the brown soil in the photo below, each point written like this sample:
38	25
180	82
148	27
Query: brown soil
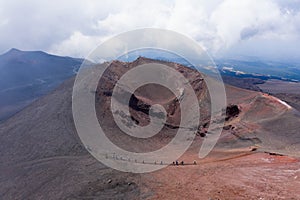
239	176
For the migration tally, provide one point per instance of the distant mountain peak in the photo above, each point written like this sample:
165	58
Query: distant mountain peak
14	50
11	52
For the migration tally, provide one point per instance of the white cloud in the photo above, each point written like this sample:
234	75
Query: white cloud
78	45
75	27
232	17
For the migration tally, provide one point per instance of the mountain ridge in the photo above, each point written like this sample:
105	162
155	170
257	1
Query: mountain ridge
27	75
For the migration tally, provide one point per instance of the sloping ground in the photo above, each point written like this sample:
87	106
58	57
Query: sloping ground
291	99
28	75
265	121
42	158
241	176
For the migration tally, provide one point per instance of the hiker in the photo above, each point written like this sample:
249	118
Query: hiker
195	162
182	163
176	162
173	163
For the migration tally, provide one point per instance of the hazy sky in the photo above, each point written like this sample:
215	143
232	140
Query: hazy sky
263	28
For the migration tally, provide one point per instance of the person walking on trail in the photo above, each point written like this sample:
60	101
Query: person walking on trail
182	163
176	162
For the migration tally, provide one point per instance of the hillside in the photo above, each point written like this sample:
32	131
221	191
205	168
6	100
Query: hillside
27	75
42	157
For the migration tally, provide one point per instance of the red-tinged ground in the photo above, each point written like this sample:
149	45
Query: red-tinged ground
240	176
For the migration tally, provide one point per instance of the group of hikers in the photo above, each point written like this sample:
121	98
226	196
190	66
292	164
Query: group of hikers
177	163
182	162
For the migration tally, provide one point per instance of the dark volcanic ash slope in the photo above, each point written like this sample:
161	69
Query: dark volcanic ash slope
27	75
42	157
